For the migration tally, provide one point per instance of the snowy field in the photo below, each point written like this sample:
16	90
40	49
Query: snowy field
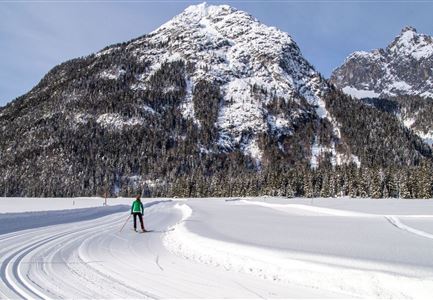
216	248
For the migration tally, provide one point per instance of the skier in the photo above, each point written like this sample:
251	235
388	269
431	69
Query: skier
137	210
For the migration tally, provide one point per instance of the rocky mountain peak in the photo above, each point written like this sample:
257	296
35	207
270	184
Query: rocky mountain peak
208	17
411	45
205	10
408	29
401	73
408	36
404	67
229	47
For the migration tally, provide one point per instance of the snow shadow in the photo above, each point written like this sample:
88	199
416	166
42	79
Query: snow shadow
11	222
149	204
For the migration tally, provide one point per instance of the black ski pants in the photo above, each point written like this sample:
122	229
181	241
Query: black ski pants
140	217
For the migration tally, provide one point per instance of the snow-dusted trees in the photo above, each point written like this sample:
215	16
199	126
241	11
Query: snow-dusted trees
80	132
423	186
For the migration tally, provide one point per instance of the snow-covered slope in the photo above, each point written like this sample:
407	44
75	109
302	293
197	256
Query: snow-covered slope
252	63
404	67
218	248
401	72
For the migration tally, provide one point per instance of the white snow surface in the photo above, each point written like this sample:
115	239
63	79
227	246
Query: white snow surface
116	121
113	74
319	151
408	122
427	137
253	150
217	248
348	90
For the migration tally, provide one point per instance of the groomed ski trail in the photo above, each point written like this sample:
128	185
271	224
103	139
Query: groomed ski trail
92	259
49	263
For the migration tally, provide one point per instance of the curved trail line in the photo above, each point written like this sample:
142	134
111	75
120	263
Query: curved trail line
307	208
11	272
392	219
11	275
400	225
50	262
317	210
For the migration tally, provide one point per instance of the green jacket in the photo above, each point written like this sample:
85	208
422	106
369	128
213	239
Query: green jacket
137	207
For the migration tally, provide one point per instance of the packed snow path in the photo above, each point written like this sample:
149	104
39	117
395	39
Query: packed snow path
246	248
92	259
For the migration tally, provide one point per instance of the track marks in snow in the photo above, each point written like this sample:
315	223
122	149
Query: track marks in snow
91	259
20	277
400	225
12	276
312	210
302	209
87	259
158	264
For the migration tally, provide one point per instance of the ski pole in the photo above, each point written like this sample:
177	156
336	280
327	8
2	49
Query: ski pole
125	223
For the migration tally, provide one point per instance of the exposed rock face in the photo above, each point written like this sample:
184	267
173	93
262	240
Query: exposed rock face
401	73
252	64
404	67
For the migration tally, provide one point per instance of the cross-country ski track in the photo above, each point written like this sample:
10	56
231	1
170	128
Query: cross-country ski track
219	248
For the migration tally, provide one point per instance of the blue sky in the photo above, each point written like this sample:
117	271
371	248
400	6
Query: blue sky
35	36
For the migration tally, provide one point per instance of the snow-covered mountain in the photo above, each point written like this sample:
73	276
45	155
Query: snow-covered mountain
404	67
212	93
402	72
253	64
